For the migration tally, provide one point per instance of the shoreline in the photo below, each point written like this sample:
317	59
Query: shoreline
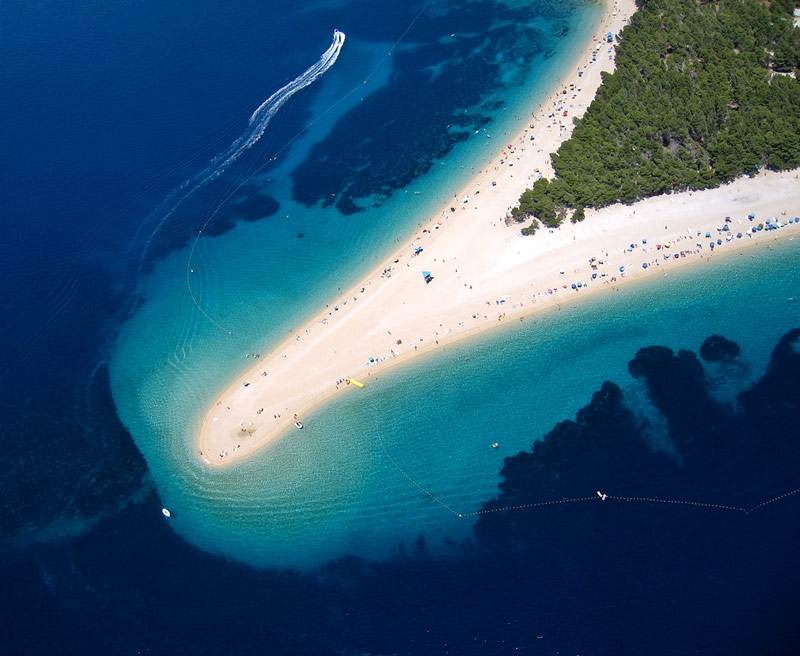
389	319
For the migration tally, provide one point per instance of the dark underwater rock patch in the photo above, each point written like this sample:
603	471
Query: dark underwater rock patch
717	348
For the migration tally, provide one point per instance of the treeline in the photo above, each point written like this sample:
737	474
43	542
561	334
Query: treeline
701	94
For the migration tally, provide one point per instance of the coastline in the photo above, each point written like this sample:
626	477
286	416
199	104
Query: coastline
484	273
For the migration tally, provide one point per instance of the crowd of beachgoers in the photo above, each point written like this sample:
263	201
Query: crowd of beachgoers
467	269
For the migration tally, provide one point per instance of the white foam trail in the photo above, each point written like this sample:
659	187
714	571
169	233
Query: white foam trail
263	115
255	129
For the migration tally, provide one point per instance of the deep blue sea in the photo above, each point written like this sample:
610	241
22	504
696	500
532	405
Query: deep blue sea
184	183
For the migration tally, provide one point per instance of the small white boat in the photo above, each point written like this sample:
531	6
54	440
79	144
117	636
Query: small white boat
298	424
166	512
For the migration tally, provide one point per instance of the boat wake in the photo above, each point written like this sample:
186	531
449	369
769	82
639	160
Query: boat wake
256	126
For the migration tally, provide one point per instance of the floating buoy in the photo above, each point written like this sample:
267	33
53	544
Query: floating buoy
495	445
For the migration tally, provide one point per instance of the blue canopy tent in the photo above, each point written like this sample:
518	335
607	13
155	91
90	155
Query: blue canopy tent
427	275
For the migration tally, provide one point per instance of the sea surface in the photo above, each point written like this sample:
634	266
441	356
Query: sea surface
183	185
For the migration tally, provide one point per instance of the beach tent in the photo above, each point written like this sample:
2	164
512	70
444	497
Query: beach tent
427	275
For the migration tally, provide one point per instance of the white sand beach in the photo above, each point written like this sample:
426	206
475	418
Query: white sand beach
485	274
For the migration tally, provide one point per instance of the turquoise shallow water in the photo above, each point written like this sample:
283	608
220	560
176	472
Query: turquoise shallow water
335	491
296	504
332	489
109	106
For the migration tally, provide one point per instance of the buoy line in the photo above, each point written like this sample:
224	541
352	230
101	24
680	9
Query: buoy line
598	496
430	494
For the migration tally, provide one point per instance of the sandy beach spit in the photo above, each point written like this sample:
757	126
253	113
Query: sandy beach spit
485	274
